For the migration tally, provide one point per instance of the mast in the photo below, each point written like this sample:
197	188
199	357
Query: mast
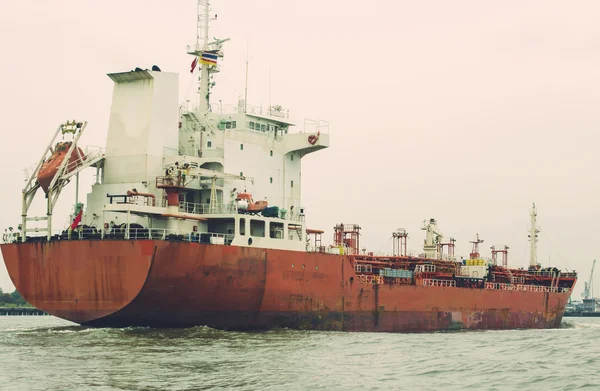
246	86
207	54
475	251
533	231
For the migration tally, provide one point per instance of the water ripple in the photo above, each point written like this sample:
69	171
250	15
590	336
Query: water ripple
45	353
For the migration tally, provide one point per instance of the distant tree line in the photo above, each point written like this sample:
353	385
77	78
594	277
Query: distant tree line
12	299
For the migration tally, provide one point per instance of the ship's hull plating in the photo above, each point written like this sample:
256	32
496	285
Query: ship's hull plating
180	284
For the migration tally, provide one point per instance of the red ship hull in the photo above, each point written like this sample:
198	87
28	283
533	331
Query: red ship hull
180	284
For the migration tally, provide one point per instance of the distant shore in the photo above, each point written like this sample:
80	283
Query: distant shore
582	313
21	311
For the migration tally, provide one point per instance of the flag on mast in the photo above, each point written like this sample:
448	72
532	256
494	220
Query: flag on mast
209	58
194	64
77	220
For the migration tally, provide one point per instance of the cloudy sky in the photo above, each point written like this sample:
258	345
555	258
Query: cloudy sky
465	111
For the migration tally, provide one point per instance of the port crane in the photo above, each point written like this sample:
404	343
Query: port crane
588	290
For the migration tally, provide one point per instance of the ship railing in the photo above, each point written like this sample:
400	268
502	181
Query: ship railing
89	153
316	249
166	234
439	283
273	111
29	171
524	288
551	273
121	232
206	209
190	207
370	279
11	236
425	268
437	255
315	126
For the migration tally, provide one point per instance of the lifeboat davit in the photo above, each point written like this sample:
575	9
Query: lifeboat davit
51	165
245	203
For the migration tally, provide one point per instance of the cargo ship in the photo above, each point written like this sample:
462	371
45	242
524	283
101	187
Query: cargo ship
196	218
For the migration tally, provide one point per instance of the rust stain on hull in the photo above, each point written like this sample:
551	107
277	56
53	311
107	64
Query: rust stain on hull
79	280
180	284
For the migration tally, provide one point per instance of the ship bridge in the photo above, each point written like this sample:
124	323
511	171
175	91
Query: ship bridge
249	140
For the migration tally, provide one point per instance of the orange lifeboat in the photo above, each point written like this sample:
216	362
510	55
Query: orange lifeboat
245	203
51	165
257	206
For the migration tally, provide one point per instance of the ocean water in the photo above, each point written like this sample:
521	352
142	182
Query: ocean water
46	353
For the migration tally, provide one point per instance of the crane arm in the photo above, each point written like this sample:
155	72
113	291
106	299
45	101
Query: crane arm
588	285
592	274
207	173
204	172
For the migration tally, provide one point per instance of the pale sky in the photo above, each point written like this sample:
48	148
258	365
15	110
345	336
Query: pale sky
464	111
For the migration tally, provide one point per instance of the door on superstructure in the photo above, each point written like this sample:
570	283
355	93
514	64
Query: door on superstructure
182	201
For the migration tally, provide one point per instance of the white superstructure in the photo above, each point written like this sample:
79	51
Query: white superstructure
180	169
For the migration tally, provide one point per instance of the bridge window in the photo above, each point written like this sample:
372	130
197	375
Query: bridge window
276	230
263	127
257	228
228	125
251	125
292	156
233	124
219	228
242	229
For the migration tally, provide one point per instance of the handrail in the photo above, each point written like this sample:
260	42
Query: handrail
89	153
203	209
439	283
191	207
128	234
524	288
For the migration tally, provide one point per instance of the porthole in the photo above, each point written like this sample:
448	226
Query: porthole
292	265
317	267
249	241
302	266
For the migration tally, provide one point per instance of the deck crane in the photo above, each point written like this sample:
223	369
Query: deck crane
190	172
588	290
433	237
